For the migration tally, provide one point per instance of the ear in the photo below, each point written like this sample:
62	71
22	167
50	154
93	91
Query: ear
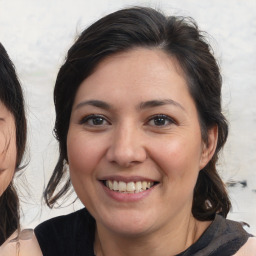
209	147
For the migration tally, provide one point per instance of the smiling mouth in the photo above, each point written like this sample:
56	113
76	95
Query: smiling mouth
129	187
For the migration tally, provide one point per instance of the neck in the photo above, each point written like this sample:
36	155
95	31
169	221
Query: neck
169	240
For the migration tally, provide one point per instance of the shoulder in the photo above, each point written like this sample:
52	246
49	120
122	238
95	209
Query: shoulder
236	224
248	249
232	233
60	235
63	223
223	237
25	245
232	227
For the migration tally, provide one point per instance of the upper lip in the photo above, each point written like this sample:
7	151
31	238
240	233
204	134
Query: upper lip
128	179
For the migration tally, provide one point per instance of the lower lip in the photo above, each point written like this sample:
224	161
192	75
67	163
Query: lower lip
127	197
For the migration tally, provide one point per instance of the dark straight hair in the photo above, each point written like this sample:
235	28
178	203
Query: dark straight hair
11	96
179	37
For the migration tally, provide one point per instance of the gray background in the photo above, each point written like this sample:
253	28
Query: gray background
37	34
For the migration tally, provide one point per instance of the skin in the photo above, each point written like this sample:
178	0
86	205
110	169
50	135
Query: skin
128	141
249	249
7	147
27	245
8	152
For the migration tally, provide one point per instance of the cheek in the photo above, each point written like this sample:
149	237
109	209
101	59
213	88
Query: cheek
7	164
83	153
5	180
178	158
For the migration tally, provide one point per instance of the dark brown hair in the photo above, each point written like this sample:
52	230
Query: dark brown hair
179	37
11	96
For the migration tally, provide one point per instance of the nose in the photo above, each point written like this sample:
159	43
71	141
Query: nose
126	148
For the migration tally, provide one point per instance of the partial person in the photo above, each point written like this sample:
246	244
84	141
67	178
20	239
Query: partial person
140	126
13	132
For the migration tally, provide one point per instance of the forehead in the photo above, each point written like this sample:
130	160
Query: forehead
136	68
141	60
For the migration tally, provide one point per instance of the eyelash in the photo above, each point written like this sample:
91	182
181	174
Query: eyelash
162	117
85	120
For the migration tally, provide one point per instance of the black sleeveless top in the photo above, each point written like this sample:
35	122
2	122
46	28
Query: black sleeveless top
73	235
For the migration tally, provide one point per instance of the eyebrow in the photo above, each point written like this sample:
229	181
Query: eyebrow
143	105
157	103
95	103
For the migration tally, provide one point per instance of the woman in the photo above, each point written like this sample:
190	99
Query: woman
12	146
139	125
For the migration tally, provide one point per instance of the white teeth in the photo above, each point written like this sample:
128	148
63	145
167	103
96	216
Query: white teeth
130	187
115	185
144	185
122	186
138	186
150	184
109	184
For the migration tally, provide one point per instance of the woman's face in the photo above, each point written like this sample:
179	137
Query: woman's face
7	147
134	143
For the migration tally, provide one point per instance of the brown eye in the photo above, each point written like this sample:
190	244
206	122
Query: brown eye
97	121
94	120
160	120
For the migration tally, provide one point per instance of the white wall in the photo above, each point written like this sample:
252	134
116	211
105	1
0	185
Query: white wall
37	34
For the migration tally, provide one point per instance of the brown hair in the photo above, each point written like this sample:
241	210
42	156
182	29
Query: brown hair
177	36
11	96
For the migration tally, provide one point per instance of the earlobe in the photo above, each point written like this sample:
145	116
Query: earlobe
210	147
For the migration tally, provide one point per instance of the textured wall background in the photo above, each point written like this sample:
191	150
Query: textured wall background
37	34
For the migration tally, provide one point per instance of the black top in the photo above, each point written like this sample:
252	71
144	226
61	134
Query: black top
73	235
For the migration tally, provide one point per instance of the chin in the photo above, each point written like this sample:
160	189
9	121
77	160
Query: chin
129	225
131	230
